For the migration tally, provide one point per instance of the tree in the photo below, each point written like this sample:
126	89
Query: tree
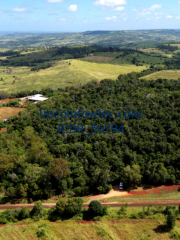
95	208
59	168
171	219
38	210
60	206
73	206
131	175
24	213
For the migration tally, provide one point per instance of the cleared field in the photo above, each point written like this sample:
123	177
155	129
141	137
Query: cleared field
6	112
166	74
158	194
134	229
60	75
102	70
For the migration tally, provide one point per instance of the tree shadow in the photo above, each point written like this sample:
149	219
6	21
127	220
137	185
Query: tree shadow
162	228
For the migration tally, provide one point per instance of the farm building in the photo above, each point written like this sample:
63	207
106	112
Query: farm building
91	54
35	98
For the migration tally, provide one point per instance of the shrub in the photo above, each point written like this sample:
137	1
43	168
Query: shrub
171	219
73	206
134	216
41	233
95	208
24	213
102	232
60	206
38	211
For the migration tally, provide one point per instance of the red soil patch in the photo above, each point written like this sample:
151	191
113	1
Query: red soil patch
107	59
88	222
157	190
90	58
100	58
3	129
7	100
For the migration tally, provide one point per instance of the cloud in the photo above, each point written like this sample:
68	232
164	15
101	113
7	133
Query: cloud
154	7
158	18
169	16
119	9
178	17
179	2
55	1
110	3
158	14
135	10
144	13
147	11
114	18
148	19
72	8
50	8
62	19
84	21
124	19
19	10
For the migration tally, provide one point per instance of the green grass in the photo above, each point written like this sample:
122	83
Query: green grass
129	229
166	74
61	75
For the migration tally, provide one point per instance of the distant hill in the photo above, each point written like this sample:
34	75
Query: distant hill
144	38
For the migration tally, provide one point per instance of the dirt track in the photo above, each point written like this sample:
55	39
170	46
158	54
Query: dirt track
50	205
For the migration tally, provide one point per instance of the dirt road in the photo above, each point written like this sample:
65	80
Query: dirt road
50	205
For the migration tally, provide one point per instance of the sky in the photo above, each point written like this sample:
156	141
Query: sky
87	15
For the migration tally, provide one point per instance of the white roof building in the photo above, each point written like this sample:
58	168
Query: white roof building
36	97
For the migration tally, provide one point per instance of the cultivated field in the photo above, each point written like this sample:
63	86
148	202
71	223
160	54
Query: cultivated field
6	112
166	74
60	75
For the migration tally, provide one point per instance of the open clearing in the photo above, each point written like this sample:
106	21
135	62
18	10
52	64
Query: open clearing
166	74
157	194
60	75
6	112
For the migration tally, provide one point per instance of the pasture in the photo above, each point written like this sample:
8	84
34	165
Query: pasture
61	74
129	229
165	74
6	112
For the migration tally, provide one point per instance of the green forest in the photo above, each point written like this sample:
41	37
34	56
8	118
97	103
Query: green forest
146	152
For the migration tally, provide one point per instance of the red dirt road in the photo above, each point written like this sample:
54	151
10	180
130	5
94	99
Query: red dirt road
50	205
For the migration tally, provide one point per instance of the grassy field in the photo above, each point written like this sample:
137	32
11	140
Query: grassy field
167	74
119	59
60	75
141	229
6	112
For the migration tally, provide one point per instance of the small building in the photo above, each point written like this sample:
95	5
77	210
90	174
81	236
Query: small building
91	55
35	98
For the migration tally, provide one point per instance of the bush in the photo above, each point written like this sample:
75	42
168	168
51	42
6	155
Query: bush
73	206
134	216
102	232
41	233
95	208
171	219
60	206
38	211
104	211
3	220
24	213
169	207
